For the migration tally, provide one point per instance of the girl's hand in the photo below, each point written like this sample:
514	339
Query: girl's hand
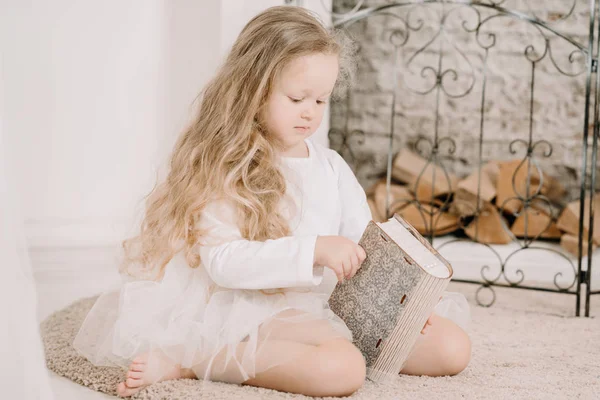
340	254
428	323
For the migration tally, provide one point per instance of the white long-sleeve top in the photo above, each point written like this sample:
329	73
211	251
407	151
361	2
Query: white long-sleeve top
324	198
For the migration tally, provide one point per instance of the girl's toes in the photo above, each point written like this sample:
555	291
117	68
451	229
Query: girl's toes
127	392
135	374
123	390
140	359
137	367
133	383
120	388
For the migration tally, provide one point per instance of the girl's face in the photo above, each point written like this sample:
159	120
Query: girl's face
298	98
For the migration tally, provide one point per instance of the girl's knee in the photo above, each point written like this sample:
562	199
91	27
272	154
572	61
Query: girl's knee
456	351
342	368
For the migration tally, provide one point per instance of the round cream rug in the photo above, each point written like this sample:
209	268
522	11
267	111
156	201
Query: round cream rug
526	346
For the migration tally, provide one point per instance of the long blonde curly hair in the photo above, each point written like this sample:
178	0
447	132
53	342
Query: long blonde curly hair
225	153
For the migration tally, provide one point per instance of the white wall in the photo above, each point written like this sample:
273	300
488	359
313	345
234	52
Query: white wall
82	112
193	54
95	93
235	14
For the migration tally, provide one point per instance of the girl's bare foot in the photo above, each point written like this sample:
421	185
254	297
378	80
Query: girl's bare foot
142	373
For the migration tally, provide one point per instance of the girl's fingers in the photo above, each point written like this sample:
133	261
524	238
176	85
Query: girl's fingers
429	320
355	265
360	252
347	267
358	258
427	323
342	270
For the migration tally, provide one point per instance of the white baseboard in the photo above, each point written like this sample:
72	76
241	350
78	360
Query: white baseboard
76	263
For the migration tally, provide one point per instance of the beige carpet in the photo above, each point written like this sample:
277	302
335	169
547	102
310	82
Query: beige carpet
527	346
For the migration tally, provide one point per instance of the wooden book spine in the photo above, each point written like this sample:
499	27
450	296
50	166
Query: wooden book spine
396	348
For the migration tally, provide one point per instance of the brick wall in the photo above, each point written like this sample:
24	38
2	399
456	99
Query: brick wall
558	103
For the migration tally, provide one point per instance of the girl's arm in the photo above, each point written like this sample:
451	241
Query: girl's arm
236	263
356	213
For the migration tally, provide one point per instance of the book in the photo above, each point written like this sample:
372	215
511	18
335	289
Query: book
387	303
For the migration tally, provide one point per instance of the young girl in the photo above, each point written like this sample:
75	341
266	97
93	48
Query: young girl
243	243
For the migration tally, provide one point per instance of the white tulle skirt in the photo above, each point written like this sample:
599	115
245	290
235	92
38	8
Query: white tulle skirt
220	334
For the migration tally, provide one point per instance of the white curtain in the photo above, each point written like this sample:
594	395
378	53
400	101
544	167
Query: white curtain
23	373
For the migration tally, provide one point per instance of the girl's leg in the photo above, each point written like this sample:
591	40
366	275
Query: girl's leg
314	331
324	364
334	368
327	367
444	349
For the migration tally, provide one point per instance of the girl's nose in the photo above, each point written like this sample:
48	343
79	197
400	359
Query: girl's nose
308	113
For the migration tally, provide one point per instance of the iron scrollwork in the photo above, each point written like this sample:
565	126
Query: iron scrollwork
444	81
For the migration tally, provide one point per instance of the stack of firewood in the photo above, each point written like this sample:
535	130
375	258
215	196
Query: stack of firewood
569	224
437	202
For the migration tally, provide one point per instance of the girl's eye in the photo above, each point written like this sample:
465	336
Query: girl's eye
321	102
295	100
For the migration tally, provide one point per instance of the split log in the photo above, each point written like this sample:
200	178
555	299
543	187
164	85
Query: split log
539	224
550	187
370	191
569	219
488	228
570	244
414	170
465	197
374	211
399	195
428	218
547	208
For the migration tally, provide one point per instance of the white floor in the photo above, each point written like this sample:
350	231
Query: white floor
62	277
64	389
65	275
